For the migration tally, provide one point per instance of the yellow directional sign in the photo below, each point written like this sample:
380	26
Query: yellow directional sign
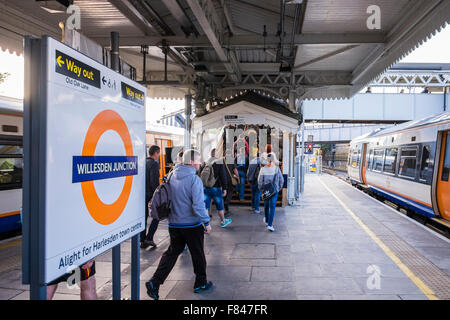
76	69
60	61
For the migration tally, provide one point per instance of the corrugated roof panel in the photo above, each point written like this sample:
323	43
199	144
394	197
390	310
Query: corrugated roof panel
349	15
100	17
345	61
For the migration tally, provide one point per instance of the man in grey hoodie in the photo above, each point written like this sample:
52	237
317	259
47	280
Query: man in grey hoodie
188	222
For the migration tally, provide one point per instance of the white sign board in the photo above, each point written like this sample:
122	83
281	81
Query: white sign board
95	166
244	119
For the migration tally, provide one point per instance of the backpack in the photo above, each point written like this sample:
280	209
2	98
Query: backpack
269	189
160	206
207	175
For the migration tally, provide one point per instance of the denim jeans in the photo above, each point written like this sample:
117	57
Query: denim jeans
269	209
240	188
256	196
216	194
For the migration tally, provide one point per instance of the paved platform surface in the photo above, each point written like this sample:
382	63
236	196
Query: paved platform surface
336	244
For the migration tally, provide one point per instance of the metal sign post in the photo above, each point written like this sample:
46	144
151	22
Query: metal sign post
33	214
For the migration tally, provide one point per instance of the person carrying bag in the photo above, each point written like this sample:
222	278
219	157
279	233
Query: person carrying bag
270	182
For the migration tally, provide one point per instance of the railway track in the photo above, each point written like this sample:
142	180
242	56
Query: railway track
429	223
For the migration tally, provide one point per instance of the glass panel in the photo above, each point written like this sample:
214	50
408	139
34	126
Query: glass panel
408	162
369	163
11	150
355	159
427	164
10	171
390	160
446	165
378	160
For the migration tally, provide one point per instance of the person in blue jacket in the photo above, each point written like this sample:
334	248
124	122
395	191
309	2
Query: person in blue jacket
188	222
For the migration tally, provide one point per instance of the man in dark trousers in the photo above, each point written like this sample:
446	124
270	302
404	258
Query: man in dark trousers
188	222
151	183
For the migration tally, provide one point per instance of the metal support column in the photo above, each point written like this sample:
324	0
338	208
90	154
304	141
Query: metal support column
187	122
34	147
302	155
116	249
144	51
115	51
135	267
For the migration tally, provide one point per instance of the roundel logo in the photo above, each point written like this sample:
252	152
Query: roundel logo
87	168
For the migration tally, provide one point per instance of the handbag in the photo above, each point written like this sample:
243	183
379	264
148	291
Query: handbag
269	190
234	180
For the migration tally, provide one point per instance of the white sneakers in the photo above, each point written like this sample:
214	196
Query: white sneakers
270	228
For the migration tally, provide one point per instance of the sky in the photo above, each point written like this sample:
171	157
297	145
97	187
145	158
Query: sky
435	50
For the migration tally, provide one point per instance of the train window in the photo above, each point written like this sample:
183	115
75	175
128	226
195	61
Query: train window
378	160
10	172
408	160
11	150
355	159
11	164
369	163
390	161
446	165
426	164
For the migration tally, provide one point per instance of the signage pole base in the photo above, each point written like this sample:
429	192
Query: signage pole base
135	267
38	292
116	272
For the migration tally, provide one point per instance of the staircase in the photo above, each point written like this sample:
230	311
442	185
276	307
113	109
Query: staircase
248	198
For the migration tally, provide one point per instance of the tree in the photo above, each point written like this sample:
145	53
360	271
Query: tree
3	76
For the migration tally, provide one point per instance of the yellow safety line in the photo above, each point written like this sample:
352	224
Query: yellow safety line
10	244
441	222
417	281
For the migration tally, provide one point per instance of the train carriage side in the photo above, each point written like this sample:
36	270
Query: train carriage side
406	166
11	162
357	158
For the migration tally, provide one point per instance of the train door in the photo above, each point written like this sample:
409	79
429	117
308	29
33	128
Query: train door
163	144
443	183
363	162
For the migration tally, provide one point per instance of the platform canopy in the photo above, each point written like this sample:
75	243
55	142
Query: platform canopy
290	49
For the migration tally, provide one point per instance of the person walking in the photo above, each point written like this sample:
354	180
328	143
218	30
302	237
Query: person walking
270	181
252	176
213	175
151	183
188	222
241	150
232	175
85	275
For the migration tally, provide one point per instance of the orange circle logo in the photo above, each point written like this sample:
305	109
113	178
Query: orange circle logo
106	213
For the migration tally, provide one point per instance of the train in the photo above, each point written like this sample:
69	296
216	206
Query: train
11	164
407	164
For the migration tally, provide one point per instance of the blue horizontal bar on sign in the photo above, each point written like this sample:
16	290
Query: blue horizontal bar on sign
89	168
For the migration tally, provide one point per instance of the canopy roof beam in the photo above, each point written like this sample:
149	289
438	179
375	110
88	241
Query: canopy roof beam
253	41
206	16
132	14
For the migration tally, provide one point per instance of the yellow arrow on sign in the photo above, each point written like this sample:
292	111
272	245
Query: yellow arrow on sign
60	61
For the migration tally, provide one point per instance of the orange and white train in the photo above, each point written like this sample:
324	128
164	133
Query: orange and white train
11	163
407	164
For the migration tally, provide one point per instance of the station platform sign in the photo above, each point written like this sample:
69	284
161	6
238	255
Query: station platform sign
93	133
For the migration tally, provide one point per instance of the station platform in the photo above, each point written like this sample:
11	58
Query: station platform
336	244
